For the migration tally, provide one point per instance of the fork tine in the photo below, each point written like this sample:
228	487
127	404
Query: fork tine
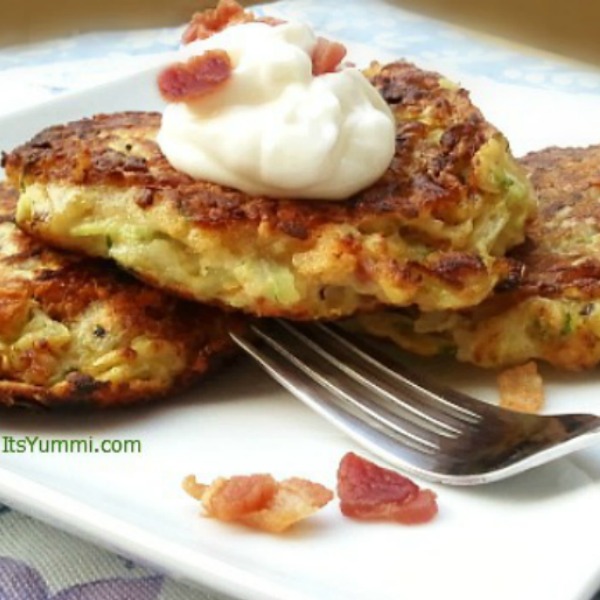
360	372
398	445
371	350
461	406
342	388
403	453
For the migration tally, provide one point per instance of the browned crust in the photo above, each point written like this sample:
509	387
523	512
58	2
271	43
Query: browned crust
62	286
425	179
549	312
561	254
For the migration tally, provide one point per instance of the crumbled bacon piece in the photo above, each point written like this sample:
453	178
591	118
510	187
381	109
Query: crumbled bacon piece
521	388
259	501
370	492
211	21
206	23
327	56
199	76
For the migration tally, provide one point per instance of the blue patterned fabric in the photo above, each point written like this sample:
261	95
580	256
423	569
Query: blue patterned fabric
43	70
38	562
20	580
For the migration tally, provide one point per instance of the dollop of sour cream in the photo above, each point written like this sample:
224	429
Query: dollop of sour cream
273	128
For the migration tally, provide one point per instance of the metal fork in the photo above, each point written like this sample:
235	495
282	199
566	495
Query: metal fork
421	427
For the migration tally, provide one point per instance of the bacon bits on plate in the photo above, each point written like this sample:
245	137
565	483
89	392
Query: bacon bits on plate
521	388
259	501
369	492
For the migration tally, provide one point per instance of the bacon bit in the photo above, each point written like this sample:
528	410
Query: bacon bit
211	21
199	76
370	492
259	501
227	13
521	388
193	488
296	499
327	56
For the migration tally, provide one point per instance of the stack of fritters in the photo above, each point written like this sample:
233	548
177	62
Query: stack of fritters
553	312
78	331
431	232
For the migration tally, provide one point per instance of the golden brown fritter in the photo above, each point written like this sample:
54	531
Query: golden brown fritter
78	331
563	250
553	314
431	231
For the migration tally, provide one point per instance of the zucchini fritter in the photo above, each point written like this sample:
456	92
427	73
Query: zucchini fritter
553	314
77	331
430	232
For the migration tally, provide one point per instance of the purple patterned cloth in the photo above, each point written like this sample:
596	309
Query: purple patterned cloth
39	562
19	581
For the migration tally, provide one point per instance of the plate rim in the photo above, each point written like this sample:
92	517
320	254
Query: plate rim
58	508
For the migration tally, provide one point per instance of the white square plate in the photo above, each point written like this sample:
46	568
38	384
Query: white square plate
534	536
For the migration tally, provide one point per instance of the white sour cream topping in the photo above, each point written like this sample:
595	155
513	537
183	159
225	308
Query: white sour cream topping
273	128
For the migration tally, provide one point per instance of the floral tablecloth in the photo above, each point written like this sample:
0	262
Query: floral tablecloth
38	562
